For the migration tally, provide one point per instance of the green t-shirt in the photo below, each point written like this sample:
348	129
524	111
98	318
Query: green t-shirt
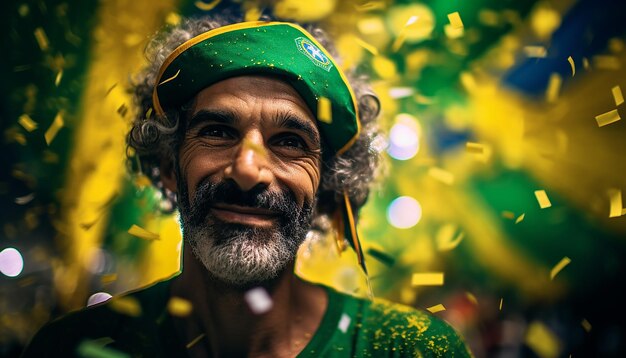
351	327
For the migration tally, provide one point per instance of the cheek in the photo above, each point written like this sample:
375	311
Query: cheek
302	177
195	167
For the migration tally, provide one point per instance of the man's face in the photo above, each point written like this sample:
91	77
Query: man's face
248	172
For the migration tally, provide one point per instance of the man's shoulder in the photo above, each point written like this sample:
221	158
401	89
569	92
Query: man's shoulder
381	325
99	327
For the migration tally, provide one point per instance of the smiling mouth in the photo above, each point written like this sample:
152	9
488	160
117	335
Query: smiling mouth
244	215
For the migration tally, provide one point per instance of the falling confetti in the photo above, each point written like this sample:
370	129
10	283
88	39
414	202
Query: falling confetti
448	237
399	41
344	323
23	200
258	300
606	62
542	341
169	79
324	112
520	218
126	305
572	65
27	122
501	301
560	266
608	118
370	5
206	6
179	307
508	215
535	51
617	95
474	147
542	199
57	79
195	341
470	296
586	325
554	87
369	47
42	39
96	349
441	175
436	308
455	20
142	233
615	200
54	128
427	279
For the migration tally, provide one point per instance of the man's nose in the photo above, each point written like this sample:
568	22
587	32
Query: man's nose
249	166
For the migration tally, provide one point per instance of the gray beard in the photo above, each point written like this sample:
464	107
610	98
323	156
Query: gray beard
242	255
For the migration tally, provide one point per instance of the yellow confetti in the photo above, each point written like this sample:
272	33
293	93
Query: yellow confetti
108	278
455	20
195	341
427	279
586	325
508	215
474	147
142	233
501	301
54	128
608	118
57	79
27	122
585	63
542	341
448	237
572	65
542	199
554	87
126	305
535	51
206	6
520	218
324	110
172	19
42	39
441	175
617	95
470	296
179	307
370	5
468	81
384	67
253	14
370	48
142	181
436	308
397	43
453	32
166	80
605	62
615	198
560	266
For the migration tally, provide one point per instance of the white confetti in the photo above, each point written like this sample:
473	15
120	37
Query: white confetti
344	323
258	300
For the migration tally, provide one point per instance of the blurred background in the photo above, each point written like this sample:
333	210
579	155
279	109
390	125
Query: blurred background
500	208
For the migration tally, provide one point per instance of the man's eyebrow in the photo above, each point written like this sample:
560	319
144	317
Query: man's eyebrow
213	115
291	121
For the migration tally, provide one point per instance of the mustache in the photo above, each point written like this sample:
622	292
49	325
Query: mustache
228	192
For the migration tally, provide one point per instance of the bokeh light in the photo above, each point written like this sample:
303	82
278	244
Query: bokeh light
404	212
404	138
11	262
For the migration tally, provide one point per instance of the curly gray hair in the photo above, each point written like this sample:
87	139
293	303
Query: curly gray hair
158	138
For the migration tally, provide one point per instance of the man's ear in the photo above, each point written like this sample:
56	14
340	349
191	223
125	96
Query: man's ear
168	175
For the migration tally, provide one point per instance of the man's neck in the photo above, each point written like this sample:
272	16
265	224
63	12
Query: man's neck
230	327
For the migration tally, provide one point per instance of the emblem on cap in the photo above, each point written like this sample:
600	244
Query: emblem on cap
308	48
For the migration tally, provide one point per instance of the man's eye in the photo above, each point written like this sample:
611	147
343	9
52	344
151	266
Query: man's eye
291	141
216	132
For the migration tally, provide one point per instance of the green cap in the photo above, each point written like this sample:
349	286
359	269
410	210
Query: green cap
274	48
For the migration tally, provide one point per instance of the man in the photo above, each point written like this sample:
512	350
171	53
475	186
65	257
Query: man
257	136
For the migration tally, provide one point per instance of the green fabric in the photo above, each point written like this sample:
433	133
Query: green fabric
272	48
369	329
